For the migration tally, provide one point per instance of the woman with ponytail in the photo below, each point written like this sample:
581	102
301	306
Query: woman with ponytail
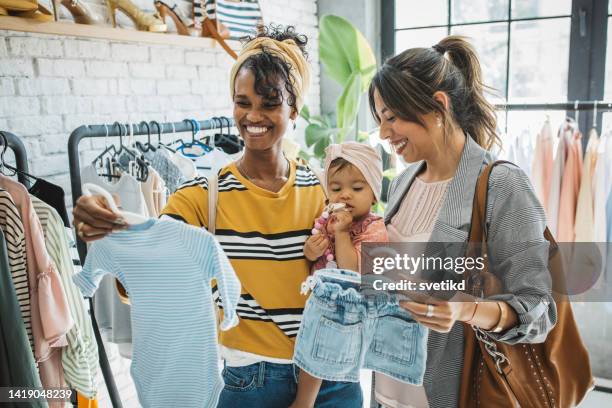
431	108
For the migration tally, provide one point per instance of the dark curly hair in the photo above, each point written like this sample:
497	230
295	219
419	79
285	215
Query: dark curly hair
269	68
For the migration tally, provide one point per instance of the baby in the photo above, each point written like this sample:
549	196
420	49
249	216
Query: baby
353	181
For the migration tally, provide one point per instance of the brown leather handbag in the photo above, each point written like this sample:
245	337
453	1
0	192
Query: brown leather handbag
556	373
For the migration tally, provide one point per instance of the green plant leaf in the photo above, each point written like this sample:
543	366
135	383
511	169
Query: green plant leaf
341	135
366	77
348	103
343	50
314	133
379	208
319	149
328	120
319	120
305	113
305	155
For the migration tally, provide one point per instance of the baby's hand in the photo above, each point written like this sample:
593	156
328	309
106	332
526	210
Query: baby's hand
340	221
315	247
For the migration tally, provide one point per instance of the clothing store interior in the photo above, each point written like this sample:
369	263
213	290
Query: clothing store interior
177	228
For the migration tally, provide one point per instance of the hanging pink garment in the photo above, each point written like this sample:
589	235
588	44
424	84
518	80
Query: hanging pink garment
570	187
542	166
51	318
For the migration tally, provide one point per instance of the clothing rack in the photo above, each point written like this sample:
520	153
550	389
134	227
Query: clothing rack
600	106
21	157
593	117
116	130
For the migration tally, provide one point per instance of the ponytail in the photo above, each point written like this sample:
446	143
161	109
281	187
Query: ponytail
407	82
478	115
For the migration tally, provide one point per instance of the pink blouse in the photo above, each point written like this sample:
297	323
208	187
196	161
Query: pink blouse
570	186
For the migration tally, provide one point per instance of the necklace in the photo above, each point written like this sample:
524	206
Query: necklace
283	178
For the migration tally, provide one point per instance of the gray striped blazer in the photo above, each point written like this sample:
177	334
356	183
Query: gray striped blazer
514	216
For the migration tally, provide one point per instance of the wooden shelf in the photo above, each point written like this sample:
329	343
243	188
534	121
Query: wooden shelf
107	33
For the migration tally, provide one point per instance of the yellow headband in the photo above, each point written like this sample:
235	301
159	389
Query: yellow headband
289	52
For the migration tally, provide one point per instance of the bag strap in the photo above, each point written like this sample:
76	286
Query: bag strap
478	228
212	202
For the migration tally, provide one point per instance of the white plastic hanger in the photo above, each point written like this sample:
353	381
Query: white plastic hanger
130	217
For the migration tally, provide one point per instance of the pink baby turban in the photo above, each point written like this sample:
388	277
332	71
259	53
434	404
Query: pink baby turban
362	156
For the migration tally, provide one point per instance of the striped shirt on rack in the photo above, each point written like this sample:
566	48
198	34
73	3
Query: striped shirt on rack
12	227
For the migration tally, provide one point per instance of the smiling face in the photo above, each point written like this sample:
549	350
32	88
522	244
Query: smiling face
261	119
409	140
347	185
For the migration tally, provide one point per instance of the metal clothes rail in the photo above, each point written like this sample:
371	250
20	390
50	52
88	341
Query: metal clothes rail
21	156
114	131
599	106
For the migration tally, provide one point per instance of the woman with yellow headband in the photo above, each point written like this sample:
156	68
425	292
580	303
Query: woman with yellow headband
265	207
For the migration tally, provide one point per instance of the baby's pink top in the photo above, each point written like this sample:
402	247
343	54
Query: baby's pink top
370	229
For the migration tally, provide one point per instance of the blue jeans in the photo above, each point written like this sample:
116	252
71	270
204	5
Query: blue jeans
268	385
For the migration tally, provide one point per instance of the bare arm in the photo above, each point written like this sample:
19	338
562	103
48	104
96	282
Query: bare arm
346	255
308	388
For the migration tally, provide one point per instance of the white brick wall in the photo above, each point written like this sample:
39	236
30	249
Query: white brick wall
50	85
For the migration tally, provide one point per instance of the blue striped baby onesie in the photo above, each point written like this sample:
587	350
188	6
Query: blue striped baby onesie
167	267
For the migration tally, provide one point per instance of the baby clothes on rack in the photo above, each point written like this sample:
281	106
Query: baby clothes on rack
17	367
211	162
154	193
602	215
80	357
167	170
112	314
185	165
10	222
603	186
52	195
51	317
542	163
570	185
519	148
585	228
554	192
344	329
167	268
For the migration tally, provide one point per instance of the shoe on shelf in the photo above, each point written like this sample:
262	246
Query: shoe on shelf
19	5
183	26
3	12
41	14
143	21
81	14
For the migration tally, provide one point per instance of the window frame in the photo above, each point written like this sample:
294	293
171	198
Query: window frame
588	42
